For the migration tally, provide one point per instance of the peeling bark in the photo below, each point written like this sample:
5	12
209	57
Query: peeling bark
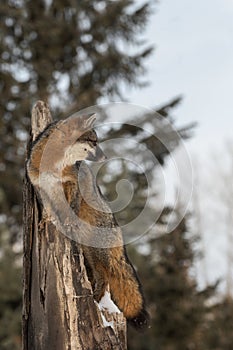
59	311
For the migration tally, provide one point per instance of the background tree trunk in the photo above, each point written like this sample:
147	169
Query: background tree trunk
59	311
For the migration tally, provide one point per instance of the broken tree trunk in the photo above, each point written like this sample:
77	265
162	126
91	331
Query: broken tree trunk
59	311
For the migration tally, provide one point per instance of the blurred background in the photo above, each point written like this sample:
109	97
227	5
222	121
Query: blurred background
174	57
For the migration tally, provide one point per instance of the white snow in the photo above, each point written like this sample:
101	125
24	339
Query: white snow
106	303
105	322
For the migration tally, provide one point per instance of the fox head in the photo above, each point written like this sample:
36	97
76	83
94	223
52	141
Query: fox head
63	144
85	148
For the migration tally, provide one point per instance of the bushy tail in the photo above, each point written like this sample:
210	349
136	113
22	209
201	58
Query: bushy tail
126	293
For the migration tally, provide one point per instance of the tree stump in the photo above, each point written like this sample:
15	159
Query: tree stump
59	311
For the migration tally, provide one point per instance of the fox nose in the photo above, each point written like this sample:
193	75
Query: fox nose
99	155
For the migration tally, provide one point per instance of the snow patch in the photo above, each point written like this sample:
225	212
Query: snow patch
106	303
105	322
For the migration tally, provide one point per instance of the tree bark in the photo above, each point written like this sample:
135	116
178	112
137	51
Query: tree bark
59	311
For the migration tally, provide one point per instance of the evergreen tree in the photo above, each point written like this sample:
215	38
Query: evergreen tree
177	309
145	150
10	301
70	53
218	327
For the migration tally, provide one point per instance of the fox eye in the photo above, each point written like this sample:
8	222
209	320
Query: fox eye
85	149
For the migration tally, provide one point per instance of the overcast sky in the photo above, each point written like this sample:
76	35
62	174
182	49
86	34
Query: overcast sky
194	58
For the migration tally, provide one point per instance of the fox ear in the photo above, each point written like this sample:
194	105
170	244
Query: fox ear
88	120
